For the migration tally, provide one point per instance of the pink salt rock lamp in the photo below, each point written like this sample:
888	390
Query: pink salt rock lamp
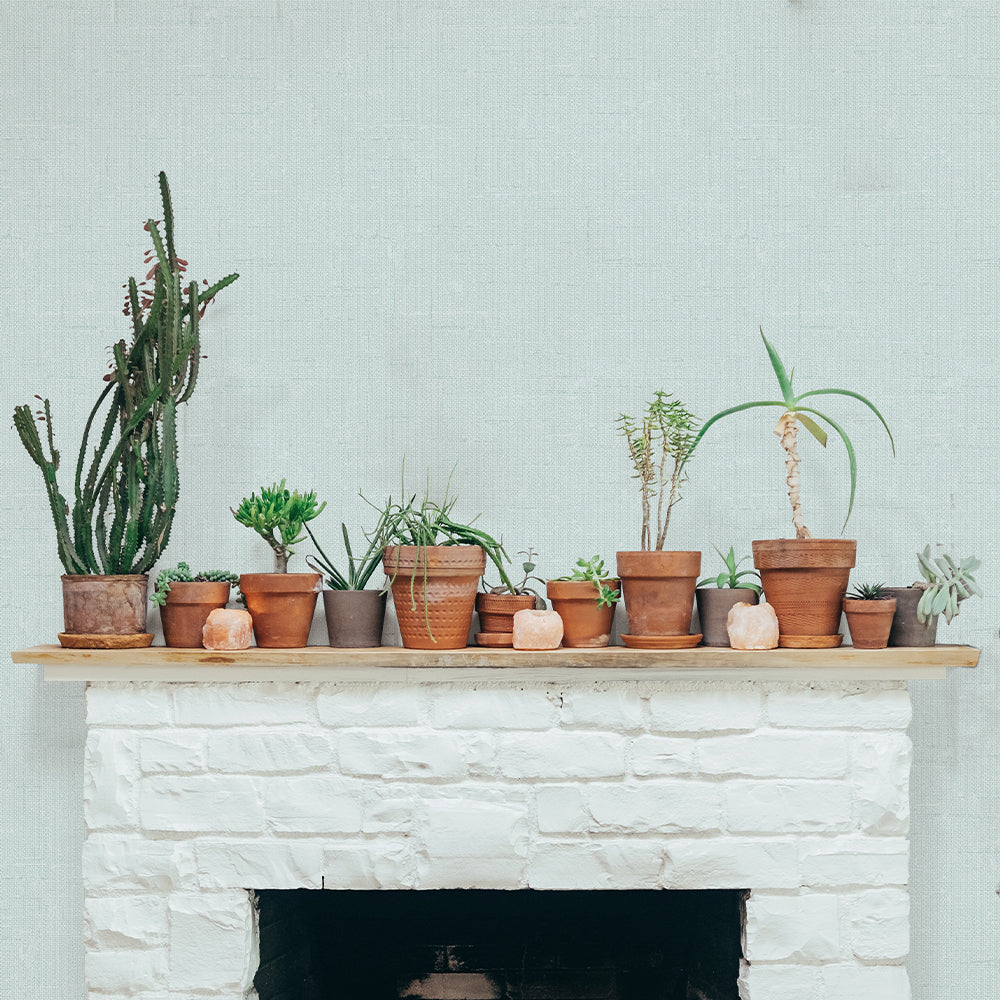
227	629
537	629
753	626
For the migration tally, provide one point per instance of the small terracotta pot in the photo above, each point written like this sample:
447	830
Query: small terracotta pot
99	605
869	622
187	609
907	629
354	618
714	604
282	607
658	590
496	611
585	623
434	592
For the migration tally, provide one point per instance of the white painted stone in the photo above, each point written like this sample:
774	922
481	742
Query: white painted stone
111	773
561	754
561	809
125	921
283	748
801	928
881	778
845	706
435	872
787	806
370	865
877	924
382	705
172	751
711	709
289	863
200	804
313	803
663	755
773	754
664	806
784	982
730	863
859	982
135	864
125	973
250	703
128	704
390	814
619	709
486	708
851	861
619	864
211	937
402	753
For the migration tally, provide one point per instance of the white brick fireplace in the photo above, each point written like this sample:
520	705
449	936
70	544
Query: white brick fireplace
198	792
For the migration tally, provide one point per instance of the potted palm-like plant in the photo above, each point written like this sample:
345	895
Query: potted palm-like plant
586	600
281	604
715	602
804	578
117	523
658	586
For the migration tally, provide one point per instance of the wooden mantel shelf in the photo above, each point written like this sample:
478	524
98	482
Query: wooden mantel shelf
416	666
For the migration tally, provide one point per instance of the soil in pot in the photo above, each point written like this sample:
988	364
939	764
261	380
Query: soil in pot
354	618
105	612
282	607
714	605
869	622
907	629
585	623
189	603
658	590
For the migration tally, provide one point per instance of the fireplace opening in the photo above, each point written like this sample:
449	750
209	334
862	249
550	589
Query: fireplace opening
483	944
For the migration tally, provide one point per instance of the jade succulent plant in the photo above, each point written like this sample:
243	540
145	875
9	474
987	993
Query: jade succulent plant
278	515
181	573
594	570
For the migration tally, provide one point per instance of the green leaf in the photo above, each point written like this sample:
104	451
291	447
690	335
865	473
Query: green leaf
852	459
779	369
854	395
810	425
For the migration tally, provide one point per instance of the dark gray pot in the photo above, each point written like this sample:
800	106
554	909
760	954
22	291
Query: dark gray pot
906	629
714	605
354	618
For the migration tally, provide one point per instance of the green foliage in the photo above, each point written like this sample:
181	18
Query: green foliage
594	570
278	510
528	565
181	573
124	499
947	583
360	569
869	592
658	445
729	577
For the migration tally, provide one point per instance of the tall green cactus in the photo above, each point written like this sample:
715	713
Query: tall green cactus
124	500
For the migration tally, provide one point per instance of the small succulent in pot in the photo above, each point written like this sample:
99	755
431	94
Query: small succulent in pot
586	599
715	602
280	510
870	609
186	600
181	573
869	592
594	571
732	576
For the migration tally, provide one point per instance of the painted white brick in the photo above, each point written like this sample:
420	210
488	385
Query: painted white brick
314	803
852	982
792	928
111	773
390	814
772	754
128	704
125	972
561	755
784	982
787	806
200	804
839	862
877	924
436	872
881	777
370	865
135	864
212	941
730	863
618	709
665	806
172	751
259	863
624	864
708	710
250	703
561	809
410	754
283	748
492	709
369	706
663	755
841	707
125	921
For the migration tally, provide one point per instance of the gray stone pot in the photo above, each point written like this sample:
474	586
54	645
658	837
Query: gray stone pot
906	629
354	618
714	605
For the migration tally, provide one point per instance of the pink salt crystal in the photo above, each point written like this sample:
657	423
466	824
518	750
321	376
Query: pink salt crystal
537	629
753	626
227	629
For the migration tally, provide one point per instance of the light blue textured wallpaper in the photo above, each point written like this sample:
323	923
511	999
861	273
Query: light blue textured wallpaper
472	235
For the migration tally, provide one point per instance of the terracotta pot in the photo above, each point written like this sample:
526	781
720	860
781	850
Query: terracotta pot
714	605
496	611
658	590
282	607
434	592
585	624
109	606
869	622
805	580
187	609
907	629
354	618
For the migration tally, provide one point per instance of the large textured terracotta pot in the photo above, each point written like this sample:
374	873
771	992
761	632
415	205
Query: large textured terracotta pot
869	622
585	623
805	580
658	590
714	605
907	629
434	592
187	609
102	612
354	618
282	607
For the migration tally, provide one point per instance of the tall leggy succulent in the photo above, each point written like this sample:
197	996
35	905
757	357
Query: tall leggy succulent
126	485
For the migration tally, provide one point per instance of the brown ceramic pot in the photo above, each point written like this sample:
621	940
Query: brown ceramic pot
434	592
585	623
354	618
869	622
111	606
714	605
907	629
496	611
282	607
187	609
805	580
658	590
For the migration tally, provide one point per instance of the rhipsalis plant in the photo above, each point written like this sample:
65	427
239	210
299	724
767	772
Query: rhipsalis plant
658	445
126	485
946	583
278	510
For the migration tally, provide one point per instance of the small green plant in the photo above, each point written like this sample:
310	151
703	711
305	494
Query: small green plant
732	576
787	430
946	583
528	565
869	592
359	569
181	573
659	445
596	572
282	511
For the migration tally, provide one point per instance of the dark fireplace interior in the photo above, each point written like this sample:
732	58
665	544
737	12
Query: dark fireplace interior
480	944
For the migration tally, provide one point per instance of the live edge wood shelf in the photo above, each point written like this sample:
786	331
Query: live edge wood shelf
560	666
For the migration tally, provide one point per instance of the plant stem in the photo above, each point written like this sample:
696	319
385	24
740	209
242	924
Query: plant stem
787	431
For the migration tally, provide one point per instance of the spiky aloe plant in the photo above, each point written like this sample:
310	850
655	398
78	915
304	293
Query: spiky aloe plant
787	430
124	499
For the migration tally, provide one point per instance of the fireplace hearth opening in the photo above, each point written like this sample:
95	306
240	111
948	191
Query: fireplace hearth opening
484	944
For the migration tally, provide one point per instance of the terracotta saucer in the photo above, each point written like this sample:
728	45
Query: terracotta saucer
661	641
810	641
83	640
496	639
